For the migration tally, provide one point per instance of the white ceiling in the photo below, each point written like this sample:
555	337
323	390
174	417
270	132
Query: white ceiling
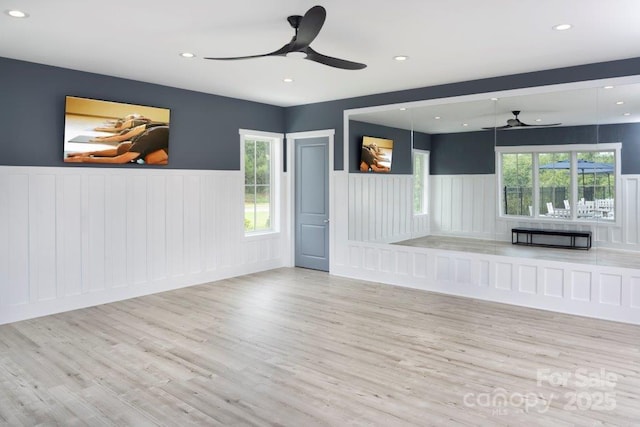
584	103
447	41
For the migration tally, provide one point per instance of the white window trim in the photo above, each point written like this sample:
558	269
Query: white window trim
275	180
425	178
564	148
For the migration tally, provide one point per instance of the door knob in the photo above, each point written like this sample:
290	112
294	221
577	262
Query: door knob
326	221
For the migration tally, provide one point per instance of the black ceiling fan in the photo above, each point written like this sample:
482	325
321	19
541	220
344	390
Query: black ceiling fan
516	123
307	28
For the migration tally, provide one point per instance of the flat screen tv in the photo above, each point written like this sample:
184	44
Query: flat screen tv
376	154
109	132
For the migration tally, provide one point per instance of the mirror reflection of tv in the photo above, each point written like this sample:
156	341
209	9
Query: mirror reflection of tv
376	154
108	132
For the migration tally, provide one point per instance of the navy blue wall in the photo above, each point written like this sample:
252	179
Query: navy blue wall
421	141
473	152
204	128
548	135
462	153
329	115
629	135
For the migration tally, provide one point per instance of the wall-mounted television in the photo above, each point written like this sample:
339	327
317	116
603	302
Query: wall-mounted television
97	131
376	154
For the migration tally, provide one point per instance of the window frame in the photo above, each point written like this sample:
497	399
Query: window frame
275	175
573	150
425	180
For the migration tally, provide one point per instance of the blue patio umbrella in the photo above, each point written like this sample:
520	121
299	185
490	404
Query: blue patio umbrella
584	167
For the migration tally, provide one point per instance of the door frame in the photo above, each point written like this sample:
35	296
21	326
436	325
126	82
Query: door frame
291	185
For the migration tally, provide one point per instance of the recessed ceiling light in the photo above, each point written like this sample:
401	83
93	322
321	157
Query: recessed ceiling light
538	120
494	99
619	102
626	114
437	117
287	80
465	124
401	57
16	13
403	109
187	55
562	27
608	87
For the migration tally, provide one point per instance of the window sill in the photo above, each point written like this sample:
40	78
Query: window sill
262	235
556	220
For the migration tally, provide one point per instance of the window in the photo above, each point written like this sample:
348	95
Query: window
568	182
554	177
260	163
420	182
517	178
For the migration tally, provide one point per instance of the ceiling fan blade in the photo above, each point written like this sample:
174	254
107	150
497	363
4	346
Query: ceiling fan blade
280	52
550	124
522	124
309	27
312	55
498	127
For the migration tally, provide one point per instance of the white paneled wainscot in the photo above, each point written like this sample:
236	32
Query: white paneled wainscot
381	208
583	289
463	205
76	237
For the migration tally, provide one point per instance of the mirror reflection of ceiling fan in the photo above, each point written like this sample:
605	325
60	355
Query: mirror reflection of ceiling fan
307	28
517	123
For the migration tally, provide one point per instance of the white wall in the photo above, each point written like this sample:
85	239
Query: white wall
75	237
381	208
463	205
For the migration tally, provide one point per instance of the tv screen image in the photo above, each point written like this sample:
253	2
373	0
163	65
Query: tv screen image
376	154
109	132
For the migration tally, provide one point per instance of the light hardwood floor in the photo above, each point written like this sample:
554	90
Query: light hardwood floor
295	347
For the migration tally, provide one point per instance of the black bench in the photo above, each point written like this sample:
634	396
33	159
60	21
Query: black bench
551	238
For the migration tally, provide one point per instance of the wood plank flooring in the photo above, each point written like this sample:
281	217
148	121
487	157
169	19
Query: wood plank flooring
295	347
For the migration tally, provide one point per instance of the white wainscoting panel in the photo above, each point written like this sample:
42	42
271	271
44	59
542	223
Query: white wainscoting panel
463	205
76	237
631	209
421	225
380	207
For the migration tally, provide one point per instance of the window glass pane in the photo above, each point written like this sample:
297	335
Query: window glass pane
249	162
554	175
249	208
263	162
596	184
259	206
418	183
263	207
517	184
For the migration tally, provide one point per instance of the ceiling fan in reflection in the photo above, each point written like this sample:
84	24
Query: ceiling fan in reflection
515	122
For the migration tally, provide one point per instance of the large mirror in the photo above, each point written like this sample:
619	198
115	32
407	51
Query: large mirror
468	171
